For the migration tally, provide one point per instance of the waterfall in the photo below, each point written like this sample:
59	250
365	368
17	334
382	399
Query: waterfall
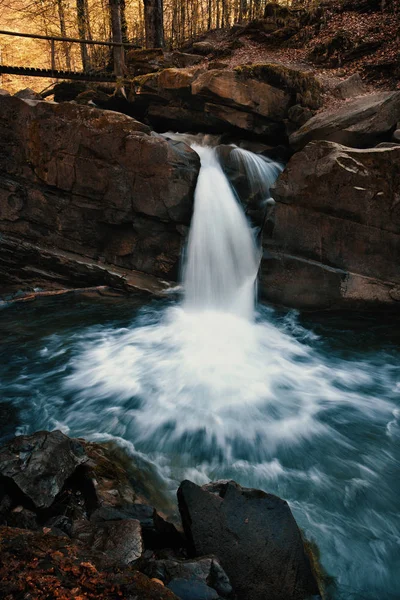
222	258
261	172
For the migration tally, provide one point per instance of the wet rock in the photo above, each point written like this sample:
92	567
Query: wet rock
335	241
40	464
28	94
360	123
200	578
253	534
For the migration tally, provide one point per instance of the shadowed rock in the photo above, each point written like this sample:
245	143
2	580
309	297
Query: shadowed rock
253	534
40	464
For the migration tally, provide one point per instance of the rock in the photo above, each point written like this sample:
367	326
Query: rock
22	518
396	136
40	464
120	540
360	123
39	564
350	88
227	88
335	241
253	534
94	183
200	578
28	94
157	533
4	93
184	60
203	48
299	114
146	60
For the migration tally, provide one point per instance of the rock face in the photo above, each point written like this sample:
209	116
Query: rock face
253	534
94	183
361	123
242	101
336	235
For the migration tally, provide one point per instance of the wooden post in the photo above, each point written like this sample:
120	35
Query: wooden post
53	56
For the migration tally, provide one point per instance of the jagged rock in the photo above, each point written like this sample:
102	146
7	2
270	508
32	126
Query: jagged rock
360	123
94	183
336	233
349	88
253	534
28	94
201	578
40	464
39	564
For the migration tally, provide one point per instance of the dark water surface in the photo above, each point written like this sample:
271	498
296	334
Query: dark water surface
304	406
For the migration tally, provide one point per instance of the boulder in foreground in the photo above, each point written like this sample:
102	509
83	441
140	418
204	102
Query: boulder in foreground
253	534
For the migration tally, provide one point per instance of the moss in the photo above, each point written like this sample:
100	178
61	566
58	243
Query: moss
324	581
305	87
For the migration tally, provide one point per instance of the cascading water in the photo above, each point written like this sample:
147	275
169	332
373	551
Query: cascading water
222	259
261	172
203	391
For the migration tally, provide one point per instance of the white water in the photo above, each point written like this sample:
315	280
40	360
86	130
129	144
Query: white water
261	172
222	259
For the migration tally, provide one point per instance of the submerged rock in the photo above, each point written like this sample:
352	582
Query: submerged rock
253	534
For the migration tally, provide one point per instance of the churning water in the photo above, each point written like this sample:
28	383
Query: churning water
205	388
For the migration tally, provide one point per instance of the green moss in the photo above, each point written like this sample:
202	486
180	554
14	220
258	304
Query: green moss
304	85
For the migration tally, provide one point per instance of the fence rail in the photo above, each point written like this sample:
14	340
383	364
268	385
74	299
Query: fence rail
53	72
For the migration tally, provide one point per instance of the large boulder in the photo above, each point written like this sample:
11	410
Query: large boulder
95	183
228	88
361	123
336	235
39	465
253	534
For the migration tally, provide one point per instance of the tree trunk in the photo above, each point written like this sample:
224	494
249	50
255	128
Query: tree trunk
124	23
63	31
153	19
115	13
80	12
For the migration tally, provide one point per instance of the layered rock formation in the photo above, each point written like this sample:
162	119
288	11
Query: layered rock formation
81	183
336	235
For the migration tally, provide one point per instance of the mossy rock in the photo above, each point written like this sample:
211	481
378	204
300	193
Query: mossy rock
305	88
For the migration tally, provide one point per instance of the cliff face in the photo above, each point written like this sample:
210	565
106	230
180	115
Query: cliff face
93	184
335	240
